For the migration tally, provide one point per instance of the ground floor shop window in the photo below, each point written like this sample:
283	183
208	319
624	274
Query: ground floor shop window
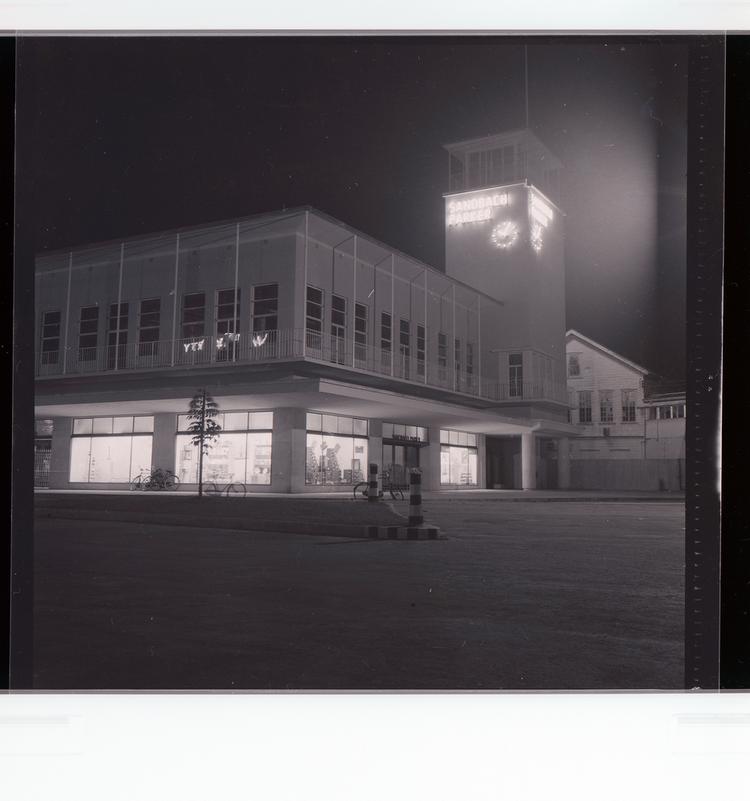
336	450
458	458
110	449
241	452
244	457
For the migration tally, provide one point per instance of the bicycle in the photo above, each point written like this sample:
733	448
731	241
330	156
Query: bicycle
234	490
155	479
362	489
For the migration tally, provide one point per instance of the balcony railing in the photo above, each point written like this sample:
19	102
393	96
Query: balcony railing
291	344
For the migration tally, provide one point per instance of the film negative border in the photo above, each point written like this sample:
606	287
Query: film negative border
705	257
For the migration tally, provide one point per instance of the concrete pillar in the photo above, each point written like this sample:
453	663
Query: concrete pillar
163	443
375	447
528	461
59	467
288	451
429	460
482	461
563	463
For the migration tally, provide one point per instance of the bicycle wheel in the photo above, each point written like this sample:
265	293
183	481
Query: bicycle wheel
361	488
236	490
137	483
170	482
210	488
397	494
174	480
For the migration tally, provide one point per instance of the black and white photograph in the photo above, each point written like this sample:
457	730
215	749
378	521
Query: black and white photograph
359	362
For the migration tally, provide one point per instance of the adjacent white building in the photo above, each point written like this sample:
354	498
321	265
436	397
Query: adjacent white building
631	436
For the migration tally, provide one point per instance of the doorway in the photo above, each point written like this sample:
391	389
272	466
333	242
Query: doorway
398	460
503	462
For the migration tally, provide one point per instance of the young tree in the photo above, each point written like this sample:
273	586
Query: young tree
203	409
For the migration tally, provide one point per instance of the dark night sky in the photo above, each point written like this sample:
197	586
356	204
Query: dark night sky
118	137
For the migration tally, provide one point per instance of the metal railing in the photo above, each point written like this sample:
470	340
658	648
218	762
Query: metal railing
287	344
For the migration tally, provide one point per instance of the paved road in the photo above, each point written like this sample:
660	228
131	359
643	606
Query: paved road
522	596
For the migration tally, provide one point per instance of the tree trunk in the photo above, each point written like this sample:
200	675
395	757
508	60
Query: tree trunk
203	436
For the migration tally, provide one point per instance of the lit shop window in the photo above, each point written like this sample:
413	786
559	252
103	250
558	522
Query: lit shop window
336	449
574	365
458	458
404	433
110	449
241	452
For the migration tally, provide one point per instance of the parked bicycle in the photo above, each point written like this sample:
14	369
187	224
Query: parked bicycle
234	490
155	479
362	490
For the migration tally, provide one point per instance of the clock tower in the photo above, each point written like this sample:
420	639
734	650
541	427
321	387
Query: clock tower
504	236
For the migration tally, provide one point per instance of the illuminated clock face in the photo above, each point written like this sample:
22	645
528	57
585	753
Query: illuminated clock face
537	232
504	234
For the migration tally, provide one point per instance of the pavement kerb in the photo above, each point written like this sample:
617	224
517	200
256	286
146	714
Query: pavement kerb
350	531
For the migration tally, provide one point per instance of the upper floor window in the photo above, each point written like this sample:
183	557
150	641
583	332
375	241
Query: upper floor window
386	334
228	323
50	337
420	349
88	333
227	312
584	406
266	307
148	326
574	365
360	331
338	316
314	310
606	408
628	406
515	375
442	353
194	315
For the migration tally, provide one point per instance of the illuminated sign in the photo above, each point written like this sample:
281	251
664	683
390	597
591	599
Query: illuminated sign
504	234
259	339
221	342
193	346
478	208
541	212
537	233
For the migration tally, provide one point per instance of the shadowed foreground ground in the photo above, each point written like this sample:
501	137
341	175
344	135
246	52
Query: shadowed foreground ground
522	596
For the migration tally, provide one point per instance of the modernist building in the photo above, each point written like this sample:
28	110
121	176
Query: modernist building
631	432
325	349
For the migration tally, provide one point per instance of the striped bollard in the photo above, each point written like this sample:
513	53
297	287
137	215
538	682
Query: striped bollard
415	499
372	487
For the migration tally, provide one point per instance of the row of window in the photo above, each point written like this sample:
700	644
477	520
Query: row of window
314	323
606	405
499	165
674	411
116	449
264	313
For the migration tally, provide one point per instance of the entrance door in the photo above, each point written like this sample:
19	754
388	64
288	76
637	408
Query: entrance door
42	455
398	460
503	460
